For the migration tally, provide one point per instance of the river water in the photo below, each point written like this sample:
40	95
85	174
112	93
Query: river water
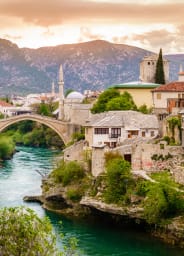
19	178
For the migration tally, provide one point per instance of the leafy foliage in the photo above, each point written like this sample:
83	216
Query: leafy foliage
74	194
7	147
118	178
66	173
109	156
30	133
103	99
162	198
111	99
24	233
159	75
144	109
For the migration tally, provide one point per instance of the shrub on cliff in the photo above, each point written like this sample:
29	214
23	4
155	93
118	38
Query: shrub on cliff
67	173
162	199
118	179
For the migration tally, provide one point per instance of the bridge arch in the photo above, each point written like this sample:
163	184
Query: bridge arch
63	129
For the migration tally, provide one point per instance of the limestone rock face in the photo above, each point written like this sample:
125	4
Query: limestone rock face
132	212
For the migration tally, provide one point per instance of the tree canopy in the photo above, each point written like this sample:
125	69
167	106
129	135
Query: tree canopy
159	74
111	99
24	233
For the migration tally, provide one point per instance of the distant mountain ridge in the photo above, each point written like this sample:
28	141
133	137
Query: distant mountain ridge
92	65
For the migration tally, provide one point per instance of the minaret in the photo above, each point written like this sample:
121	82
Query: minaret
181	74
53	89
61	94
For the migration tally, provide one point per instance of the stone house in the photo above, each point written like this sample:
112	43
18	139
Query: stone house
113	128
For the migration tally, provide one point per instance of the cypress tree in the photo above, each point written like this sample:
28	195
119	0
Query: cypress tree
159	75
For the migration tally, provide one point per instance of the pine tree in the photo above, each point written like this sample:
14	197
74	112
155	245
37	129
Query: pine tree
159	75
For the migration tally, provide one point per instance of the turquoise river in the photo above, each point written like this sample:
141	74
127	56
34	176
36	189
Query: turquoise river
96	238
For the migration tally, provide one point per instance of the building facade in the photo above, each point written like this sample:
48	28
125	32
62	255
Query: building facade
113	128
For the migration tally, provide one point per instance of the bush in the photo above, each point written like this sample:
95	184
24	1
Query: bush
109	156
118	178
7	148
24	233
163	199
155	205
74	194
66	173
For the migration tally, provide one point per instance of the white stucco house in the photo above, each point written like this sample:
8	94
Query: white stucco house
115	127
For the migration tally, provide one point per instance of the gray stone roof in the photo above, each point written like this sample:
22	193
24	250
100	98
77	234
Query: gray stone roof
130	120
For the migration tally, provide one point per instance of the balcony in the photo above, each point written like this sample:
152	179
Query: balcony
114	136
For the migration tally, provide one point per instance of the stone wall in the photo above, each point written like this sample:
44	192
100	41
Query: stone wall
159	157
74	152
98	160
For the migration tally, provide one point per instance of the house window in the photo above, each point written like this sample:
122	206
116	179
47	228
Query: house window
132	134
115	132
148	63
101	130
182	96
158	96
152	133
179	95
143	134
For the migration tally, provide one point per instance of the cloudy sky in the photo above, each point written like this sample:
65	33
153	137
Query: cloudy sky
149	24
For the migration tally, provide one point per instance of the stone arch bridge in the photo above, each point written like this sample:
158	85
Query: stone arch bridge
62	128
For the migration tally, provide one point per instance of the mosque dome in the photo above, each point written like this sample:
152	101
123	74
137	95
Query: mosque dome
75	95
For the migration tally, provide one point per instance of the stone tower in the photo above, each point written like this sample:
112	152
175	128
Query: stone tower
61	93
53	89
181	74
148	69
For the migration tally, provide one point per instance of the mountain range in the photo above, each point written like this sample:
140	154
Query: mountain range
93	65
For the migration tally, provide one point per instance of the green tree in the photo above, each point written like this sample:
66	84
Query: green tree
118	178
123	102
144	109
7	147
159	74
103	99
24	233
111	99
68	91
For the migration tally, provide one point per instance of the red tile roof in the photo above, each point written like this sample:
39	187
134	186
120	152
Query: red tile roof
171	87
5	104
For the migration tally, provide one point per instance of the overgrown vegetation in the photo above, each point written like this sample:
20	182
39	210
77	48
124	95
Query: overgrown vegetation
118	179
73	176
29	133
7	147
45	109
24	233
77	136
68	172
161	199
111	99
